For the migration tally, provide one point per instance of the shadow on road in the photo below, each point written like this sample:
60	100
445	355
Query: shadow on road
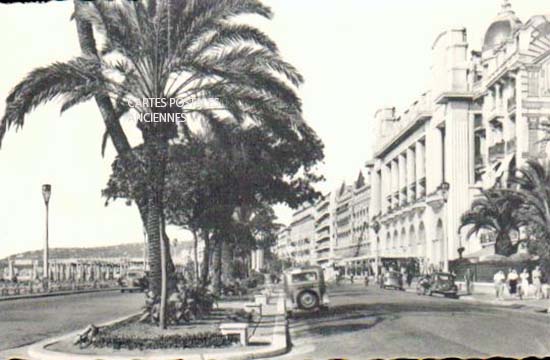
356	317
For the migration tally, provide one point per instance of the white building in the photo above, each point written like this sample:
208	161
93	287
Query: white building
478	121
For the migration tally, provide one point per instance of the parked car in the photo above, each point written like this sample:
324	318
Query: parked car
392	280
437	283
134	280
305	288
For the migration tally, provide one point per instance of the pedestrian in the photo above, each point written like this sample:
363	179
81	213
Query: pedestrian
403	276
524	285
513	282
351	278
498	280
409	278
537	282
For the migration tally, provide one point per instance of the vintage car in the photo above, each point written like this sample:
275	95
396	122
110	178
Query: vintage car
392	280
437	283
134	280
305	288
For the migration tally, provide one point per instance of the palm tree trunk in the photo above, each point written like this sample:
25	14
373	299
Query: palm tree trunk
117	136
196	255
217	265
503	244
205	260
156	155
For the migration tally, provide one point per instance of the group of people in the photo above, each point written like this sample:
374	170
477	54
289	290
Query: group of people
518	284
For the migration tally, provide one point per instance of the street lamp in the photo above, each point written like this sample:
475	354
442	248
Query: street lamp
376	229
443	190
46	194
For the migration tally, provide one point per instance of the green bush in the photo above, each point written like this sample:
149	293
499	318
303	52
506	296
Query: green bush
201	340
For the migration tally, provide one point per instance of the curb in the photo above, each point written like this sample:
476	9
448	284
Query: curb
59	293
279	346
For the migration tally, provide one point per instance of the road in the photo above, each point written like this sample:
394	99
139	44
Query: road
26	321
373	323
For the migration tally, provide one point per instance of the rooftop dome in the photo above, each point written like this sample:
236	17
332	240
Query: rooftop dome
502	27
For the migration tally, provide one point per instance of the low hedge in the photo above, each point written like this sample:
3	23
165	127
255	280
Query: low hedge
200	340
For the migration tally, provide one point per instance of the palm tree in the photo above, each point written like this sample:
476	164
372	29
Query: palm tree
167	49
497	212
531	187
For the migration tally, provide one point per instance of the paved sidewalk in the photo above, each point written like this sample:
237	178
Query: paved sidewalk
267	339
528	304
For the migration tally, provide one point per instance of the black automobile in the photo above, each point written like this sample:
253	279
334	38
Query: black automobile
392	280
134	280
437	283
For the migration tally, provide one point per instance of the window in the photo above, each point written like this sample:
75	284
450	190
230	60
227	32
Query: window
533	82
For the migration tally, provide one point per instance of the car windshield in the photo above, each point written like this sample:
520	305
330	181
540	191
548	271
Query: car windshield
134	274
443	277
305	276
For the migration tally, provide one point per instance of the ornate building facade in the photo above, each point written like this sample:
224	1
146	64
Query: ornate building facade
480	120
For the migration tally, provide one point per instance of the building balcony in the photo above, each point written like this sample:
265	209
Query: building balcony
511	104
412	192
496	152
322	247
478	123
478	161
421	192
511	146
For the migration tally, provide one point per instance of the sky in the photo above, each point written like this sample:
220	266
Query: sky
356	56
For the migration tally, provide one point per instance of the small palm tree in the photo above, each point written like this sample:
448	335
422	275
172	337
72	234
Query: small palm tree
189	50
495	211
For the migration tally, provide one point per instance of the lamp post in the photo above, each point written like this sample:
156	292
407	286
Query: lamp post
376	228
46	193
443	190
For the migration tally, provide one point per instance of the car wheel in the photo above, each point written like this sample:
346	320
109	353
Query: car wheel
308	300
121	290
429	292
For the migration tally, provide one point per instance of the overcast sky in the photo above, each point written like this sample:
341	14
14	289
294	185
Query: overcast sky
356	56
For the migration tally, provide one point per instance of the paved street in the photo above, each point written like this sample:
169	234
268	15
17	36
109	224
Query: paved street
367	323
26	321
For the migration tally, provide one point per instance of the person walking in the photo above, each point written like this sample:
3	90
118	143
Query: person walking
524	284
513	282
537	282
498	280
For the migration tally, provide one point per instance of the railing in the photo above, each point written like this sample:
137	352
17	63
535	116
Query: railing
496	151
28	288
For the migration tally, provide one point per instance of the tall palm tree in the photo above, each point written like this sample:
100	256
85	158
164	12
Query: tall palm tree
497	212
190	50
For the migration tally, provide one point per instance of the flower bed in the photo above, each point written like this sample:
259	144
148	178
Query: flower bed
175	341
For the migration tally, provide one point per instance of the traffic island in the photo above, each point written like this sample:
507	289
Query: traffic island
266	337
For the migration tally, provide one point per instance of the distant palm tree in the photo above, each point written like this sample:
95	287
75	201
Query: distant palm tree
495	211
189	50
